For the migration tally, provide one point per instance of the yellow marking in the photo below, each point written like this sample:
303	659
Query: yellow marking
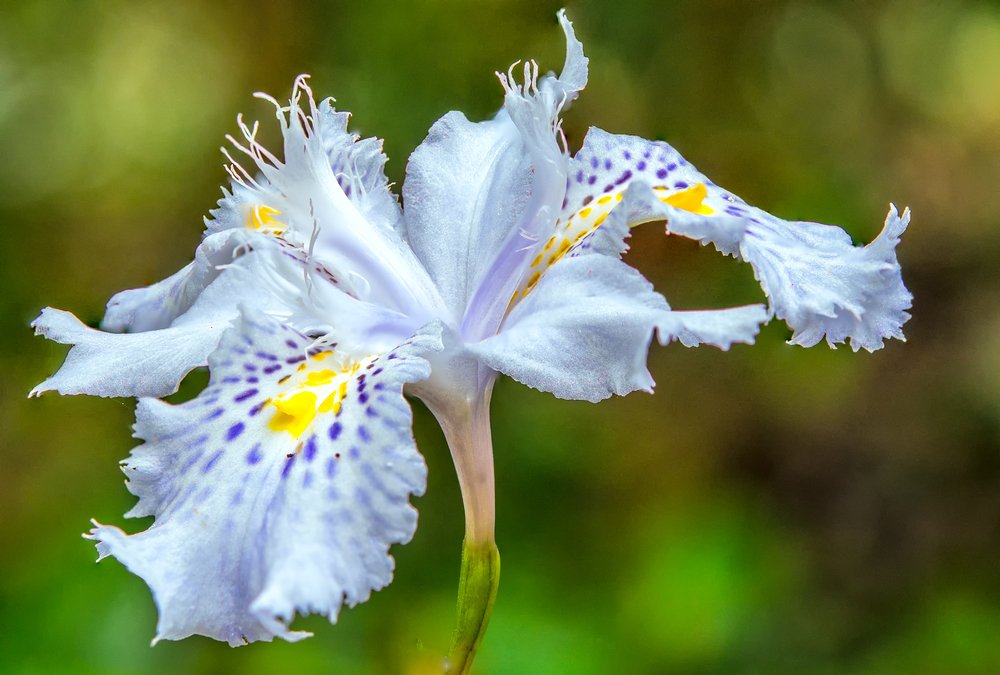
604	200
532	281
295	413
549	243
314	392
618	197
691	200
319	356
582	234
600	220
584	213
262	217
319	377
563	247
538	259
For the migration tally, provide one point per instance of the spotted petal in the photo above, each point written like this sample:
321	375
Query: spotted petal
276	491
816	280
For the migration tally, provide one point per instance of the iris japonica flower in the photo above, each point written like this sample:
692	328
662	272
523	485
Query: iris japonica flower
317	302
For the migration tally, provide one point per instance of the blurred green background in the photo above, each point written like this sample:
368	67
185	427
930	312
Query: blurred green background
768	510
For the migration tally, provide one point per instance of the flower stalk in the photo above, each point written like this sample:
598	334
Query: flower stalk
466	425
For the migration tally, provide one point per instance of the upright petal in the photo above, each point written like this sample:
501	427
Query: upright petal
533	107
278	490
816	279
303	191
466	187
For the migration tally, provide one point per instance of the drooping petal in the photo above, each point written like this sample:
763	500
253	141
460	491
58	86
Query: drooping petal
718	327
278	490
152	362
816	279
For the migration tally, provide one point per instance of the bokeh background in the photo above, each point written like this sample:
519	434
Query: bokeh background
768	510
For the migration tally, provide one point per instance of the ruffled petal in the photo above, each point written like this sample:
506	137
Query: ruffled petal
303	197
533	106
279	490
815	278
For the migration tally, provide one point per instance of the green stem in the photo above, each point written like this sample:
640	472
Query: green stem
477	591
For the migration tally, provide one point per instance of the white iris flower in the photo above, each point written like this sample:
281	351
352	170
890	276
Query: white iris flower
317	301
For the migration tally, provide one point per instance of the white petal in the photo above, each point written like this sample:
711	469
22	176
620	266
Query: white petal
132	364
816	279
718	327
260	514
582	333
466	187
153	362
533	106
157	306
354	239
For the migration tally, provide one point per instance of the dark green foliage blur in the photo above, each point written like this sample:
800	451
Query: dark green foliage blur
768	510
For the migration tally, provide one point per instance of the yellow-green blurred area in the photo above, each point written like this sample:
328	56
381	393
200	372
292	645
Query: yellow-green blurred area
769	510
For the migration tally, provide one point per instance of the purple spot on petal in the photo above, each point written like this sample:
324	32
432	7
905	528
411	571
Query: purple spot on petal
609	187
335	431
579	176
628	155
272	368
353	453
250	368
266	356
608	164
310	450
254	455
245	395
661	173
292	344
214	414
370	412
363	434
591	180
234	431
253	379
212	461
378	386
671	166
624	177
680	185
641	166
331	467
363	397
230	380
288	466
376	371
257	408
295	359
593	162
